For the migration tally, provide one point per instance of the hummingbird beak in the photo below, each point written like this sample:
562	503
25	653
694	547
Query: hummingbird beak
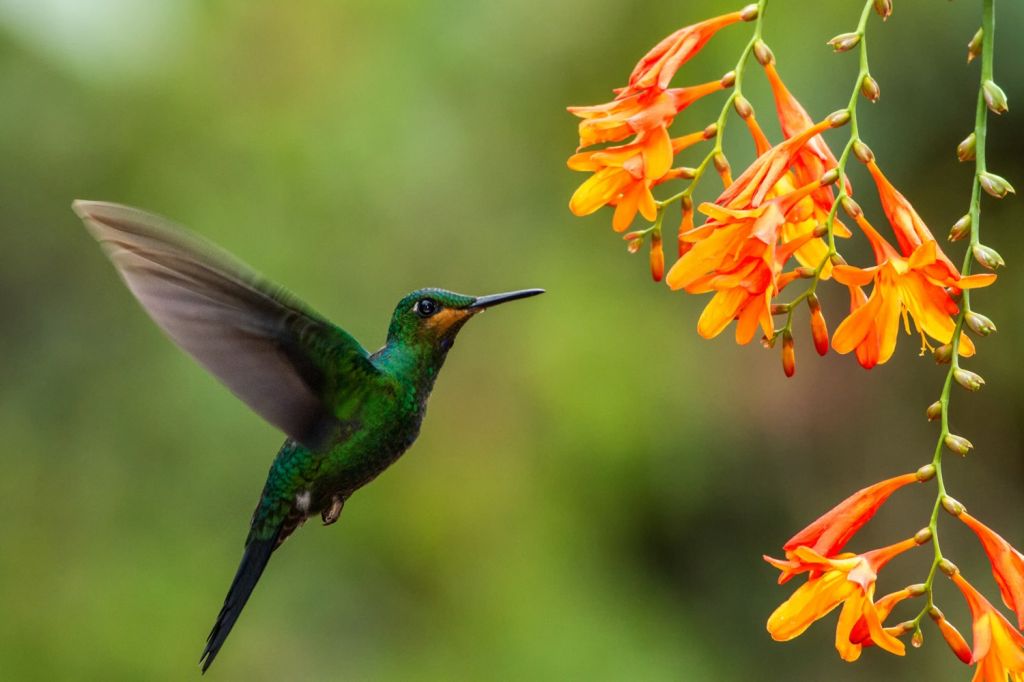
483	302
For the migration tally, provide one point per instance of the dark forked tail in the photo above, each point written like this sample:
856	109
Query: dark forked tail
254	560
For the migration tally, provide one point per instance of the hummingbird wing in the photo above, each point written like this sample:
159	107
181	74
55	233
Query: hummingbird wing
289	364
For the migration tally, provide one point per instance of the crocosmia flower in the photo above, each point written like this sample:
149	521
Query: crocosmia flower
1007	565
998	646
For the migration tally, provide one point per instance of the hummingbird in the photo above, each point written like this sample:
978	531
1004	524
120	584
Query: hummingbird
347	414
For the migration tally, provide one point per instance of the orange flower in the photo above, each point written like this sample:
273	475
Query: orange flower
860	634
737	254
830	532
914	286
1007	565
641	111
657	67
910	230
623	175
847	579
998	646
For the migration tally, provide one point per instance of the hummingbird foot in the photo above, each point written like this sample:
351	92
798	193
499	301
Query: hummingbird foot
331	514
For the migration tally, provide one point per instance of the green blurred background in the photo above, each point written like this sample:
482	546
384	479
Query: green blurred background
594	487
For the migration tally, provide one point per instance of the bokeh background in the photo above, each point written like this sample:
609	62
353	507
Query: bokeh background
594	485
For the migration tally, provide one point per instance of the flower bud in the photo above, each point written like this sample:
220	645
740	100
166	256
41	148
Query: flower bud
917	639
948	567
804	272
987	256
837	259
926	473
710	131
974	47
852	208
634	245
922	536
749	13
958	444
863	152
961	229
995	98
968	379
763	53
845	41
821	230
954	507
979	324
967	148
952	636
819	330
869	88
788	354
943	354
657	257
995	185
742	106
729	79
883	8
828	177
779	308
721	163
839	118
934	411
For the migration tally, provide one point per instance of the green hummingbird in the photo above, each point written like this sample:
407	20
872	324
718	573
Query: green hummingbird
347	414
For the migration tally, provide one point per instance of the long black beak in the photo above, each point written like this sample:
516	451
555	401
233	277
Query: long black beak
494	299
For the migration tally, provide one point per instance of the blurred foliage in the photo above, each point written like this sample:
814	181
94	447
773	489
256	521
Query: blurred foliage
594	485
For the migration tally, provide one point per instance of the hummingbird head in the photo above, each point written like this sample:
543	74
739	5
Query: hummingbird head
433	317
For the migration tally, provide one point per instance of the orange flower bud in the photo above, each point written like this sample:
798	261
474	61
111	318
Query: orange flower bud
934	411
987	256
974	47
845	41
819	330
788	354
979	324
657	257
968	379
763	53
995	98
995	185
960	229
685	225
869	88
958	444
965	151
952	636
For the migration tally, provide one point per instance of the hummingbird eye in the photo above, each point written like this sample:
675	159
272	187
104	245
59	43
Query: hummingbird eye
425	307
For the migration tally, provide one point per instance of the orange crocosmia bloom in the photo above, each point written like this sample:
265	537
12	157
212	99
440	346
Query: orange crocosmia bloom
737	255
998	646
829	533
1007	565
860	635
847	579
657	67
915	286
623	175
636	112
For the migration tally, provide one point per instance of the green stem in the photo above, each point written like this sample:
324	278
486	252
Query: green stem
988	25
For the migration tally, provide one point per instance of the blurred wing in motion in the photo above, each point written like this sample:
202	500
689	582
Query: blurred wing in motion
289	364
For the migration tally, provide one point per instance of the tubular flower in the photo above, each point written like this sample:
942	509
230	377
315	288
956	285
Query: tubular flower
998	646
910	230
1007	565
635	113
623	175
914	286
737	254
657	67
847	579
830	532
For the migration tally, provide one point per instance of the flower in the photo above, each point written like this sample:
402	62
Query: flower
860	634
910	230
635	113
657	67
914	286
830	532
998	646
1007	565
623	175
847	579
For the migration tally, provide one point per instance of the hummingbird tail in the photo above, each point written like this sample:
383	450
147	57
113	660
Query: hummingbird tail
254	560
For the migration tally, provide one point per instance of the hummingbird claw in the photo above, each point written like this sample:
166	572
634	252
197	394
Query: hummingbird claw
331	514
